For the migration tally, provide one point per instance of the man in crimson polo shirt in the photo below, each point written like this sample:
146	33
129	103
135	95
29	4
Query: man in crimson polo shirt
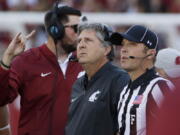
42	76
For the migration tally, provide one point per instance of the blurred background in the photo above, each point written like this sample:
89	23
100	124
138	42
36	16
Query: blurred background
162	16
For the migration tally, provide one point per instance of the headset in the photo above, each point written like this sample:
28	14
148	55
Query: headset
54	17
55	28
136	57
107	31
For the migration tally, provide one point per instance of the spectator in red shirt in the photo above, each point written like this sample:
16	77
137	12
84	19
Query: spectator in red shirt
167	122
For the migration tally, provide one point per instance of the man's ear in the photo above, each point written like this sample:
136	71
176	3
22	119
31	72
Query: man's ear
151	53
107	50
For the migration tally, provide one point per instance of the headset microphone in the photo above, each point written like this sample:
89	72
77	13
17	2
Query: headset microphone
133	57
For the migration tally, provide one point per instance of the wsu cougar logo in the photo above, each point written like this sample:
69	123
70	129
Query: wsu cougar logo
94	97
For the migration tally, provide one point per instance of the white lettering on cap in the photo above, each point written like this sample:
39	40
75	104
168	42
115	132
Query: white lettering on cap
149	43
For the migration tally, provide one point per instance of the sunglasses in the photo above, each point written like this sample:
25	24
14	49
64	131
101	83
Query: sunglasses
74	27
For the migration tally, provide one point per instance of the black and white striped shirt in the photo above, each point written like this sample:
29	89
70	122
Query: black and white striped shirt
138	100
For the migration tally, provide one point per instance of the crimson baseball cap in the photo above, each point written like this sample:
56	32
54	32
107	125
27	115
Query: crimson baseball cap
138	34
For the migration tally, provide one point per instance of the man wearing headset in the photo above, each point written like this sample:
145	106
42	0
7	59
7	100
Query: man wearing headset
93	109
42	76
145	91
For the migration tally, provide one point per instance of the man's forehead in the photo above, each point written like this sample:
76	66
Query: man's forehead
127	41
87	31
73	19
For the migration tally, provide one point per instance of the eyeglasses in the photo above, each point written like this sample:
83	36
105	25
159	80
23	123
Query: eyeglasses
74	27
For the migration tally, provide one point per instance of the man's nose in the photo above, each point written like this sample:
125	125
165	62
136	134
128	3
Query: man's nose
81	44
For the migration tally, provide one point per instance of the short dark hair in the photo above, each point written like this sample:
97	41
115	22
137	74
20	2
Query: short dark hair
60	12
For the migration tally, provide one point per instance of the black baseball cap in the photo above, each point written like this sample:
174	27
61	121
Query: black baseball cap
138	34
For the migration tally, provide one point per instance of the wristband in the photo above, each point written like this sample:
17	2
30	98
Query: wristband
5	127
4	65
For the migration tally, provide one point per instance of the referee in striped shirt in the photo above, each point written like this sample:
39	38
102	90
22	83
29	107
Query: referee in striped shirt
144	93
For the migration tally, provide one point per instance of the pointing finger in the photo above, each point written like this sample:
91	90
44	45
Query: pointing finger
17	36
30	35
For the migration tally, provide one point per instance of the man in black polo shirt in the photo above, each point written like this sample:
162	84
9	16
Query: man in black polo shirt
93	109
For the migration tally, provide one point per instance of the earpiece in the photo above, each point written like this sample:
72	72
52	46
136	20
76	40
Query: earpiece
56	30
136	57
108	31
55	17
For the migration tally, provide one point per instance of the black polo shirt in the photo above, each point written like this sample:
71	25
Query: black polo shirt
93	109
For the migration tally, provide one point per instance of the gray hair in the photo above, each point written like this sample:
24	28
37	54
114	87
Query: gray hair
103	32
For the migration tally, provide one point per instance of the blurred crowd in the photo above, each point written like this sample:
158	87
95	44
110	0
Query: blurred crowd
121	6
150	6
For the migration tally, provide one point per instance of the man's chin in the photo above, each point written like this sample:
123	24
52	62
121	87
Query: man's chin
69	48
125	67
82	61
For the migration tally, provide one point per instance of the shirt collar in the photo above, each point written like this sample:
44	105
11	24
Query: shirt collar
99	73
144	78
66	60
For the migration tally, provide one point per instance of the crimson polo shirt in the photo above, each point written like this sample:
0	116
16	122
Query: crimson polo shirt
44	90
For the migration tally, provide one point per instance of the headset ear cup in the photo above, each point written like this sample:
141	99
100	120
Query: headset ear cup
62	30
56	31
106	36
108	31
54	26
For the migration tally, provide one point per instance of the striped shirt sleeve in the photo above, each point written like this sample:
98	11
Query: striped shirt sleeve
155	98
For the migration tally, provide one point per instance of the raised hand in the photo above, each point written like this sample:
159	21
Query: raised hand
16	47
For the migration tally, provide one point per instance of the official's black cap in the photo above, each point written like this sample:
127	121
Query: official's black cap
138	34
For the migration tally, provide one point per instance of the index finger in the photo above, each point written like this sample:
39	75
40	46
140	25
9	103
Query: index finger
17	35
16	38
30	35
